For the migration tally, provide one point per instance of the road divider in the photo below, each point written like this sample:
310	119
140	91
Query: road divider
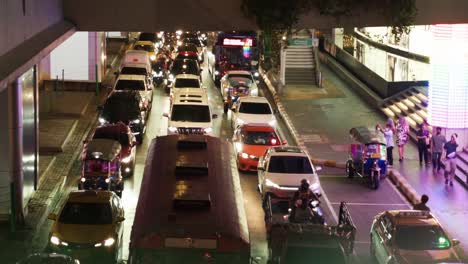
403	186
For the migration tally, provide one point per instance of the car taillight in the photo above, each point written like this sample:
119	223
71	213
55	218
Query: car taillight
274	141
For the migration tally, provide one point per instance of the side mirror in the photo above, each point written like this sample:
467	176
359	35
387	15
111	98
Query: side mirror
52	217
318	168
166	115
455	242
120	219
214	116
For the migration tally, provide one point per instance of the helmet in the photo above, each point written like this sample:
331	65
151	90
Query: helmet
304	186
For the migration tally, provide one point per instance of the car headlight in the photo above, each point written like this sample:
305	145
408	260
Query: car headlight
272	123
102	120
203	35
126	159
252	156
83	179
172	129
152	57
179	43
208	130
256	74
55	240
244	155
216	72
107	243
269	183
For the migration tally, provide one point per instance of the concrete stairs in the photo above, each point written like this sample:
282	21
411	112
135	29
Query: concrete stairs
300	65
412	104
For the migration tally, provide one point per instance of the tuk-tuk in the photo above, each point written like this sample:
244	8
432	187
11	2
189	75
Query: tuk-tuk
367	155
101	166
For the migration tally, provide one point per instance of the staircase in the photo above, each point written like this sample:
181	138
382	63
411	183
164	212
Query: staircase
412	104
300	65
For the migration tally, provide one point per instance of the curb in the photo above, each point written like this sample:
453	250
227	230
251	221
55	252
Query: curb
403	186
295	135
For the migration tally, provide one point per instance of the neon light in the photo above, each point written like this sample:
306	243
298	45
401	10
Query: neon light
238	42
448	88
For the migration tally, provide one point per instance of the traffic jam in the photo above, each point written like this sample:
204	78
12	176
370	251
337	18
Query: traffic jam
190	207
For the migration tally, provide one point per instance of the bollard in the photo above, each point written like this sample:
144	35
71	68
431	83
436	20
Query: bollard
12	208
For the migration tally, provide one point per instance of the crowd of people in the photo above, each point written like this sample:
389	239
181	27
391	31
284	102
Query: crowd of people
431	146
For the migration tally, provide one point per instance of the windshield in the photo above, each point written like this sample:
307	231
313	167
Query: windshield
192	83
240	79
260	138
122	138
147	37
290	164
148	48
255	108
134	71
138	85
421	238
191	113
86	214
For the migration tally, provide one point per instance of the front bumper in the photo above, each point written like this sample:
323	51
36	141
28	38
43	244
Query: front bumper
247	164
87	252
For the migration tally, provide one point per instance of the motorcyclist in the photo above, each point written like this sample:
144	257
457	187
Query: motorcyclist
300	211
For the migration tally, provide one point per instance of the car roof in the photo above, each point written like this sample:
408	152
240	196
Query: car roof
239	72
131	77
254	99
288	151
190	96
412	217
144	43
88	196
186	76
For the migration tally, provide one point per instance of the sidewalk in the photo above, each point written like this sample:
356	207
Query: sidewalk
323	117
63	127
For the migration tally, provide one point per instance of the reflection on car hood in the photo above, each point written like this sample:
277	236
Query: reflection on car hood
285	179
256	119
83	233
189	124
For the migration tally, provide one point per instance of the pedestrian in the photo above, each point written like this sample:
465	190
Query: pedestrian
388	134
402	129
437	147
451	154
423	139
392	124
422	205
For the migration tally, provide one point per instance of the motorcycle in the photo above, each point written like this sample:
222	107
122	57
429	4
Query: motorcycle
311	214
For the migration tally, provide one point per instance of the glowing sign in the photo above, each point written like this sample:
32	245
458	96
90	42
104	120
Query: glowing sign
448	87
238	42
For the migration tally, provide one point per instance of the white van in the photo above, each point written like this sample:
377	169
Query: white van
190	113
137	62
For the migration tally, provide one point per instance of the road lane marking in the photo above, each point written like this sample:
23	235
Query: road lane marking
372	204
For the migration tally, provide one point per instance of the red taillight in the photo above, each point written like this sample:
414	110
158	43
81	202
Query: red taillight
207	255
274	141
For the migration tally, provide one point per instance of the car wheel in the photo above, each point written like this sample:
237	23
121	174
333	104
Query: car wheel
349	169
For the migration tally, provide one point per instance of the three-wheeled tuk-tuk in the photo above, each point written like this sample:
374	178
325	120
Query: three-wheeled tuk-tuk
293	243
367	155
101	166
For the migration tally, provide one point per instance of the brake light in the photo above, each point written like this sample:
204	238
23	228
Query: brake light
207	255
274	141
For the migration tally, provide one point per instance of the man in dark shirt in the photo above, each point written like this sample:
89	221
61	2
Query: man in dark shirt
422	205
451	154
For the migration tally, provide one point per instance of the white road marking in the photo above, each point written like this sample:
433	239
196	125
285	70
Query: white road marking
372	204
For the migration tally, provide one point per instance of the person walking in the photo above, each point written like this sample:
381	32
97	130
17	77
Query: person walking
392	124
422	205
388	134
451	154
437	147
423	139
402	129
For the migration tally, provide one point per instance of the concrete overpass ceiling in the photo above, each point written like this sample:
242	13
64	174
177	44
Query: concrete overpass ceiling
212	15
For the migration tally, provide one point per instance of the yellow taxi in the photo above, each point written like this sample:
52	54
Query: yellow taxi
408	236
147	46
90	224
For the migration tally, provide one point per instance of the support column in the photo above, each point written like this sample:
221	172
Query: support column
15	110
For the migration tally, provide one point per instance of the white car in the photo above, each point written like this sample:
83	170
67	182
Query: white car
140	83
185	81
281	169
235	85
190	113
252	110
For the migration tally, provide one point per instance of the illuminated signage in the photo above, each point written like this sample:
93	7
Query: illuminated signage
448	87
248	42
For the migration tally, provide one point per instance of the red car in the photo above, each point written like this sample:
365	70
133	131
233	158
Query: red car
251	142
123	134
